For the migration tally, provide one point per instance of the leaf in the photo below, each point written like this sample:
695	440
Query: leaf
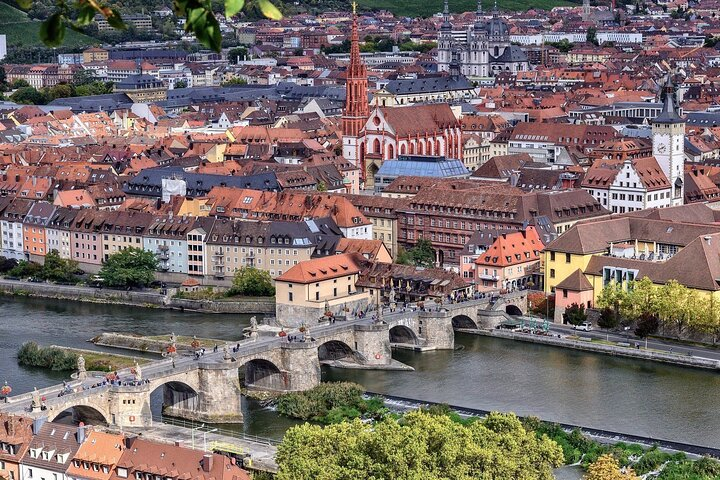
24	4
52	30
232	7
269	10
85	15
115	20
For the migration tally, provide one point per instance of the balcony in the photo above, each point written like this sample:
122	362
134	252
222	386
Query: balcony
219	272
218	253
487	276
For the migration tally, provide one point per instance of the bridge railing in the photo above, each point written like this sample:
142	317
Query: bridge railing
200	427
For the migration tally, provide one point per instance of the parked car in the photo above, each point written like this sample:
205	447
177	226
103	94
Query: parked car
585	327
36	280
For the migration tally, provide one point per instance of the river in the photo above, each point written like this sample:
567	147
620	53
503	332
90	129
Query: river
623	395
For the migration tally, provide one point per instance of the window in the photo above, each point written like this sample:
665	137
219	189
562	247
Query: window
552	273
568	258
122	472
290	296
552	256
317	295
565	293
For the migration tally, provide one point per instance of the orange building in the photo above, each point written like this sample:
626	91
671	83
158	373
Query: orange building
34	238
510	261
97	457
15	436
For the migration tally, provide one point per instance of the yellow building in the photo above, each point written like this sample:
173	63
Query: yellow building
95	54
306	290
628	248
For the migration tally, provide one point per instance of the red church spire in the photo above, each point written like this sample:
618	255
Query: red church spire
356	100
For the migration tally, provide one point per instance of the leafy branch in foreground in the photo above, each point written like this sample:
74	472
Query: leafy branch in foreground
200	19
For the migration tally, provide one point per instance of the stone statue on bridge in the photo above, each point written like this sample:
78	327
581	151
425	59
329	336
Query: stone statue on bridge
36	402
138	371
226	353
253	327
82	373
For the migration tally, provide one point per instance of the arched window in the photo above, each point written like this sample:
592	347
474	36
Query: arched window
390	152
497	51
421	147
376	146
403	150
438	147
412	149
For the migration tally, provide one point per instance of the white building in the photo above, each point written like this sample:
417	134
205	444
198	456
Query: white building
3	46
668	133
619	37
629	185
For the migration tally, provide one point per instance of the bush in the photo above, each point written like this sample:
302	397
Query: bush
25	269
250	281
318	402
32	355
575	314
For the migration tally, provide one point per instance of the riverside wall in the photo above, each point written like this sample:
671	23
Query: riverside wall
615	350
135	298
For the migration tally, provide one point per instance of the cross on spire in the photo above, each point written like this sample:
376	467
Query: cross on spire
354	5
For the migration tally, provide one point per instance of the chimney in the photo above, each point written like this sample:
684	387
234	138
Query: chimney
81	434
708	239
207	462
37	424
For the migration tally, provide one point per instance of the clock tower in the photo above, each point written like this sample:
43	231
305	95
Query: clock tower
668	138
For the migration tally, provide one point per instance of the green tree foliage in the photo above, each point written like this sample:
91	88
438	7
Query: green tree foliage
575	314
592	35
421	446
7	264
237	54
421	255
199	17
563	45
328	402
132	267
181	84
607	468
252	282
28	96
234	81
32	355
25	269
648	324
94	88
57	269
83	77
608	319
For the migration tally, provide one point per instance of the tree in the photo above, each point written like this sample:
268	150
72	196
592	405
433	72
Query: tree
28	96
132	267
237	54
199	17
181	84
592	35
252	282
94	88
83	77
613	296
61	90
234	81
607	468
642	298
57	269
422	254
608	320
563	45
420	445
575	314
648	324
19	83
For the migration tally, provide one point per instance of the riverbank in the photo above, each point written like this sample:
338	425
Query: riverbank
619	349
60	358
152	344
135	298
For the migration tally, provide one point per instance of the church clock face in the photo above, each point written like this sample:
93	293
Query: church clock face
662	148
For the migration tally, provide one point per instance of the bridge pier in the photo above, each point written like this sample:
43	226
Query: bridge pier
301	365
219	398
129	406
372	343
437	329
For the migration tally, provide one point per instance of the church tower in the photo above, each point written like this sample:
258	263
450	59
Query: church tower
479	61
356	100
445	41
668	138
586	12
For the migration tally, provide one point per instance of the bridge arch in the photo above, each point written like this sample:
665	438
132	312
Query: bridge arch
87	414
263	374
403	334
335	350
177	397
512	309
463	321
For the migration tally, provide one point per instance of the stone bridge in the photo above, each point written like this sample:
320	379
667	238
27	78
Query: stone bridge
209	389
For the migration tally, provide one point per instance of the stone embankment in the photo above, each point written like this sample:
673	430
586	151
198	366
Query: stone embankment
149	299
615	350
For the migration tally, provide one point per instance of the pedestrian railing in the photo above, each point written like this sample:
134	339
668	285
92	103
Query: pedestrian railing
199	427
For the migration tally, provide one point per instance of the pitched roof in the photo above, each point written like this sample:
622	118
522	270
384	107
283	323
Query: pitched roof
419	119
513	249
576	282
324	268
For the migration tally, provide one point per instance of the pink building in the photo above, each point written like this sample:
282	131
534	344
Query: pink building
576	288
510	261
86	238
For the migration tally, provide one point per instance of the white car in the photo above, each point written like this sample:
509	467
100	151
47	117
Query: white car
585	327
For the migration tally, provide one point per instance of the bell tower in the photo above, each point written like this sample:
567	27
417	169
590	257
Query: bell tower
668	138
356	110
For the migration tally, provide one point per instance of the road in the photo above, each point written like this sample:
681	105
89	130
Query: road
654	344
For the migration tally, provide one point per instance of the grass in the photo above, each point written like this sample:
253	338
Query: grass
101	362
413	8
23	31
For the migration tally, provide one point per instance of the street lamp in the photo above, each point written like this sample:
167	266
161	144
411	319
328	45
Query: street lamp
192	435
205	438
